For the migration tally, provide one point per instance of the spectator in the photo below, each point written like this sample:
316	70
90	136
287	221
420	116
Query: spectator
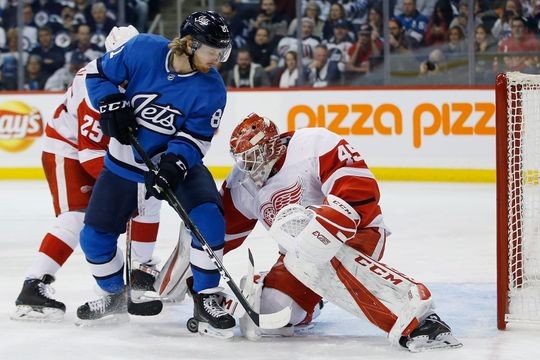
237	25
312	11
503	27
2	38
362	52
247	73
261	49
83	10
439	23
99	22
51	55
520	40
44	9
455	43
65	22
484	43
414	23
341	42
29	29
376	22
269	18
309	42
324	5
337	12
287	76
62	78
34	78
425	7
141	9
323	71
357	12
83	44
399	43
534	17
9	61
462	18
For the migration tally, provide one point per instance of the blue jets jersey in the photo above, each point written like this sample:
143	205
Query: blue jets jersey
176	113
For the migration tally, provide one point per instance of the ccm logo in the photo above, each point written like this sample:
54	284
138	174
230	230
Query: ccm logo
113	106
321	237
341	206
378	270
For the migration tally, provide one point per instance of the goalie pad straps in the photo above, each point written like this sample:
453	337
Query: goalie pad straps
366	288
171	281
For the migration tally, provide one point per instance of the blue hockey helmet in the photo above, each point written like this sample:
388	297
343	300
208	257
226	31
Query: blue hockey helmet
209	28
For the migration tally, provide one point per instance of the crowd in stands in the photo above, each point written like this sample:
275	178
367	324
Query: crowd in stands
342	41
59	37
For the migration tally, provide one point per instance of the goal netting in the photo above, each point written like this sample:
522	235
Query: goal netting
518	198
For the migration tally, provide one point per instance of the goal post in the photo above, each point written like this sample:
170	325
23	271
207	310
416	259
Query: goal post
518	198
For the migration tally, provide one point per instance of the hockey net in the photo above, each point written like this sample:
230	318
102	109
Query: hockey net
518	198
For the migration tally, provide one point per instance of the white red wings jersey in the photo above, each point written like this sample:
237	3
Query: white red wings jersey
74	130
317	163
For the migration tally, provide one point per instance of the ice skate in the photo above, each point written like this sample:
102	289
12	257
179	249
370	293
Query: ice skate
35	303
432	333
209	317
108	309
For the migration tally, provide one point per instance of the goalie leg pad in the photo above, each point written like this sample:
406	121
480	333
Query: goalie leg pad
281	279
171	281
361	286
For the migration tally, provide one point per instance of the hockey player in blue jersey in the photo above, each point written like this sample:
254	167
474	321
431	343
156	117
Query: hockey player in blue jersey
173	100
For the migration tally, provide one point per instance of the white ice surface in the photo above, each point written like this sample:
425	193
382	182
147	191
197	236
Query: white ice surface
443	235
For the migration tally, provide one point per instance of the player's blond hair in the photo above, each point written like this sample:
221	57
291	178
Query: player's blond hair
179	45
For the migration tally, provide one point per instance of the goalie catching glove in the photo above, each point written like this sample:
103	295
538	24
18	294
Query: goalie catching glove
315	233
117	117
171	170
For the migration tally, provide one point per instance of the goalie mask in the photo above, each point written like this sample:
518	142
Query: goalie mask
256	147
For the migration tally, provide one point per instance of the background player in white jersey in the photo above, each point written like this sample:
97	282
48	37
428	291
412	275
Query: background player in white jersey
173	104
74	146
320	201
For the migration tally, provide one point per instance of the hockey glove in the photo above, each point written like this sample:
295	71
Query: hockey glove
117	117
171	170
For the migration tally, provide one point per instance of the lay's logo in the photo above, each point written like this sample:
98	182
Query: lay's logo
20	125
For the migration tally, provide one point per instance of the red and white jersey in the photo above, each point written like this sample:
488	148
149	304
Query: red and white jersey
317	163
74	130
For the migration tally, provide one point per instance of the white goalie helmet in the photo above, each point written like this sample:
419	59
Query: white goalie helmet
119	36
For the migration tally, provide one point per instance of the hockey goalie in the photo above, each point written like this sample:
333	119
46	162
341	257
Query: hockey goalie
315	194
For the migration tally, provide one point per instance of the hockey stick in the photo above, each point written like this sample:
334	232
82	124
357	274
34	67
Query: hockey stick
265	321
147	308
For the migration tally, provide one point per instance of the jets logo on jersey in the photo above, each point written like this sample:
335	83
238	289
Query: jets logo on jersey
280	199
157	117
224	28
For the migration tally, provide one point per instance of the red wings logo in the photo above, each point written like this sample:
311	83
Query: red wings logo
280	199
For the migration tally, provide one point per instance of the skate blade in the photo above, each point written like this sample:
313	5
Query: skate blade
206	330
151	296
37	314
113	319
442	341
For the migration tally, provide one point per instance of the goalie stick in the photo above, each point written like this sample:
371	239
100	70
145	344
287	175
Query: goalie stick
265	321
146	308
